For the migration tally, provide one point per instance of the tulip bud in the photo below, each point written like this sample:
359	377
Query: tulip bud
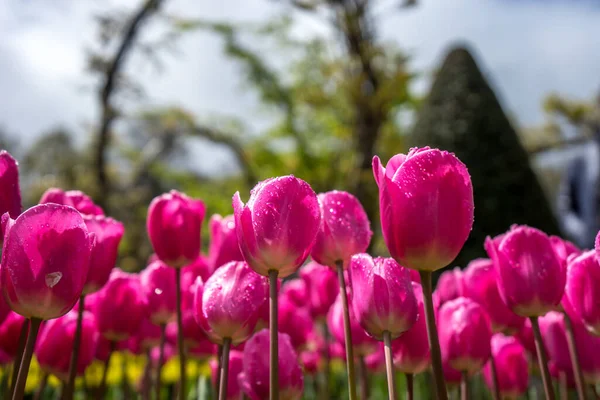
481	284
158	284
296	292
224	245
10	192
450	285
104	254
465	334
10	332
174	223
345	229
512	368
322	288
74	198
383	298
310	360
254	378
121	306
583	289
230	301
362	343
276	229
526	338
55	344
531	279
411	349
375	362
235	368
426	206
45	260
295	322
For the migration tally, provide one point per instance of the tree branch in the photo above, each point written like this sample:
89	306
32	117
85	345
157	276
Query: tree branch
108	113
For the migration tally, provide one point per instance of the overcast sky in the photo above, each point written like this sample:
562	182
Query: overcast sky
528	48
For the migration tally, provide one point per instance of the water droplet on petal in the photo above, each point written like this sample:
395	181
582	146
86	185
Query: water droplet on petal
158	291
53	278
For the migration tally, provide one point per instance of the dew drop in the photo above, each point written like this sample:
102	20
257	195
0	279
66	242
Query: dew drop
53	278
158	291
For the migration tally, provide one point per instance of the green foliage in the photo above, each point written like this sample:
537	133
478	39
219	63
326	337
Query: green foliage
462	115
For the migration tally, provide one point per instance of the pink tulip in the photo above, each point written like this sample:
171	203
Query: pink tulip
10	331
224	245
383	299
362	343
296	291
189	275
148	335
345	229
158	284
375	362
311	361
583	289
121	306
4	309
104	254
55	343
414	275
322	287
411	349
295	322
235	368
276	229
481	284
231	300
564	249
525	337
465	334
426	205
254	379
173	224
74	198
45	260
169	352
450	285
531	278
512	368
203	349
10	192
451	376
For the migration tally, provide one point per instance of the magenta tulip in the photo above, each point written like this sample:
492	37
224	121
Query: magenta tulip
224	245
296	292
296	322
583	289
531	279
512	367
45	260
10	331
158	284
55	344
450	285
426	204
480	283
236	364
174	223
525	337
375	362
148	336
311	361
345	229
362	343
231	300
193	334
322	288
276	229
383	299
465	334
74	198
254	379
411	349
121	306
104	254
10	192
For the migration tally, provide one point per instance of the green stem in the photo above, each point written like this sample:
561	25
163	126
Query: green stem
327	357
182	376
102	388
389	364
26	361
219	366
432	335
273	333
574	357
409	386
495	388
542	358
464	386
161	360
224	371
18	358
347	333
39	393
70	388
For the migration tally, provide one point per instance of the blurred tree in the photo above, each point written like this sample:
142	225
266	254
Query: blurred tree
463	115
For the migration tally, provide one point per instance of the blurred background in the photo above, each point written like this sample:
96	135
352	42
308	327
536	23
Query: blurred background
126	99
